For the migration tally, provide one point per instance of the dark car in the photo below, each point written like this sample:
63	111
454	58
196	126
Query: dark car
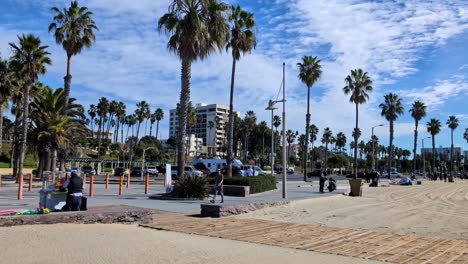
87	169
119	171
136	172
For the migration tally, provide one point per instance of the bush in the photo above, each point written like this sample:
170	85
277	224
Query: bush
257	184
191	186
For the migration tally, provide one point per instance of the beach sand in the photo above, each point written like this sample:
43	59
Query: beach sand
74	244
433	209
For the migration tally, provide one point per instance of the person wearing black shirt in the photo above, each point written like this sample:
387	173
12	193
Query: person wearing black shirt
74	187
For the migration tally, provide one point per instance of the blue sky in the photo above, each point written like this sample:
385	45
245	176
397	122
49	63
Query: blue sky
415	48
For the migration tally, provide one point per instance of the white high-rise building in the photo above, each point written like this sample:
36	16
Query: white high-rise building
214	138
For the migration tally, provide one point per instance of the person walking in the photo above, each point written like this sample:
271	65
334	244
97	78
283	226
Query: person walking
322	179
219	178
74	187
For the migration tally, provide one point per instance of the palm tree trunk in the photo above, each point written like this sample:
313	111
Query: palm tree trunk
1	127
24	133
157	129
451	153
151	129
92	128
415	144
231	121
433	154
307	133
390	149
67	85
326	156
355	165
100	136
184	101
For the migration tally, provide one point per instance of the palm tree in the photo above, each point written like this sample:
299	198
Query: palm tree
358	84
102	110
241	40
309	72
326	138
452	123
92	111
290	138
433	127
249	123
5	92
28	61
362	148
313	130
465	135
197	28
263	128
211	126
159	114
141	113
418	111
74	30
120	117
340	140
50	129
391	109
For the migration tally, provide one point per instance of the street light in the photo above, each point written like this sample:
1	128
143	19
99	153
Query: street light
372	139
422	153
143	161
271	106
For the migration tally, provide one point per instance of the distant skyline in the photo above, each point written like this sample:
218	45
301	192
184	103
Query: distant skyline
414	48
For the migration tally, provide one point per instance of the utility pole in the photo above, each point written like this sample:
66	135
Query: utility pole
285	195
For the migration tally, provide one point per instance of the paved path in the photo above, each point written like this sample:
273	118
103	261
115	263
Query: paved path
354	243
134	196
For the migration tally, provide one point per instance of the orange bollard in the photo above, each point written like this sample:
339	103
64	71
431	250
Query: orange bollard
91	185
30	182
107	181
121	185
146	183
20	187
84	181
128	180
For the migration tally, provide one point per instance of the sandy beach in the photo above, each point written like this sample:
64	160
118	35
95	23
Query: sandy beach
74	243
433	209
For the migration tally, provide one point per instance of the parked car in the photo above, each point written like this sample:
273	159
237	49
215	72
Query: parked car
256	170
119	171
136	172
393	174
315	173
279	170
419	172
188	170
87	169
151	170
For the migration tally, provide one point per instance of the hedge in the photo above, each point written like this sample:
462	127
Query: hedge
257	184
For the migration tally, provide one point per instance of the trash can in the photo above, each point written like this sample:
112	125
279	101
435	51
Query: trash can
356	187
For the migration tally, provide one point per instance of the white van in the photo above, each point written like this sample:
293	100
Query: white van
212	165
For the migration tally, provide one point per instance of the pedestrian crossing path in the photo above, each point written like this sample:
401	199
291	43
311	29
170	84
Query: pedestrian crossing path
364	244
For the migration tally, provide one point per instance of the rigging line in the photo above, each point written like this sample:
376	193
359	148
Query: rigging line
279	91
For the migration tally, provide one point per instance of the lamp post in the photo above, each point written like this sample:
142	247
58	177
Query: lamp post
422	153
143	161
285	195
271	106
372	139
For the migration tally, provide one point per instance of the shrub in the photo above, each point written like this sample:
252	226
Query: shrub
191	186
257	184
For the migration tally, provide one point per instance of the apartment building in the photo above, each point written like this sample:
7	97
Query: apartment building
209	127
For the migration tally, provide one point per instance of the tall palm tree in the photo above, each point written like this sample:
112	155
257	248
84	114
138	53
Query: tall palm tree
359	85
249	123
290	138
159	114
29	60
92	111
263	128
5	92
313	130
452	123
391	109
197	28
418	111
120	117
465	135
74	30
141	113
309	72
433	127
340	140
241	40
326	138
102	110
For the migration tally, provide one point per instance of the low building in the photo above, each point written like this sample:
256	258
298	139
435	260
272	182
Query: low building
95	133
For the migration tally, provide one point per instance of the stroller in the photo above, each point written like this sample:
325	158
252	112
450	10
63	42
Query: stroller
331	185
